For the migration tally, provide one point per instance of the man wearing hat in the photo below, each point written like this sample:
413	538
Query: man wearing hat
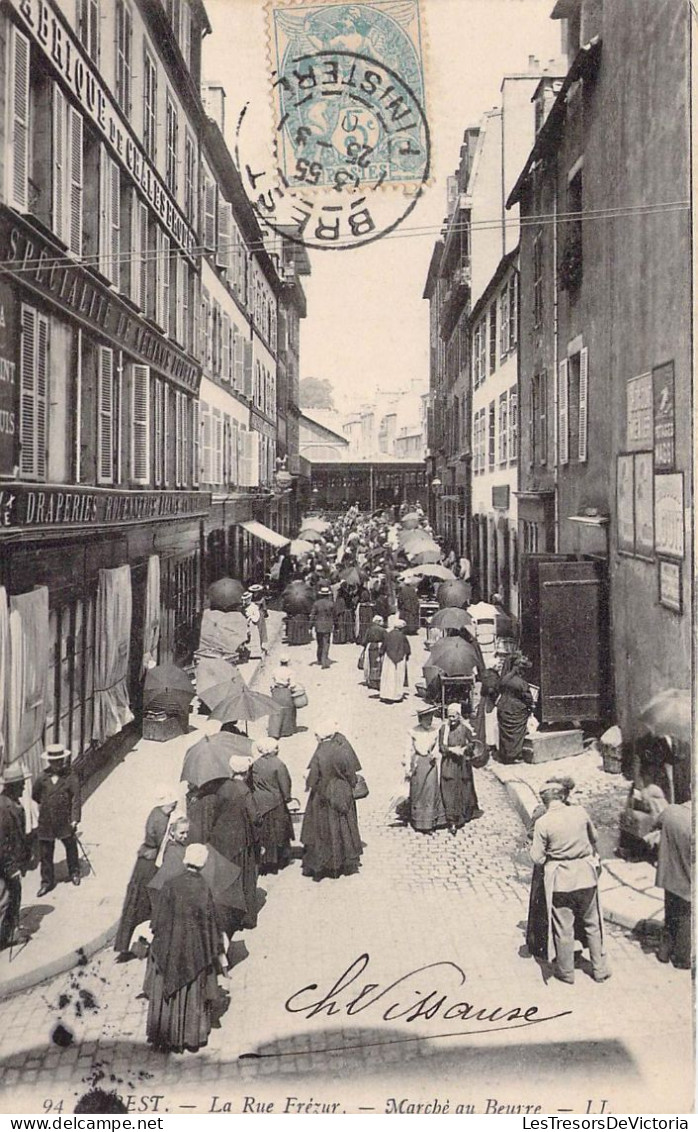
322	620
57	792
13	851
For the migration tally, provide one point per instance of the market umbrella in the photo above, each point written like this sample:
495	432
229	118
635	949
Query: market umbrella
428	570
210	757
452	618
296	598
406	537
225	594
423	555
167	688
352	576
212	670
669	713
456	593
300	546
454	657
224	878
310	535
314	523
231	703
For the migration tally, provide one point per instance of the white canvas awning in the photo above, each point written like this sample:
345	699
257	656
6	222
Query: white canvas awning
266	534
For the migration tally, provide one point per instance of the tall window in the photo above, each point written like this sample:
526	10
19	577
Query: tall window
537	278
33	397
493	337
109	218
172	141
492	414
503	451
19	128
513	311
504	322
106	415
150	104
140	424
189	178
67	171
88	27
513	425
538	423
124	37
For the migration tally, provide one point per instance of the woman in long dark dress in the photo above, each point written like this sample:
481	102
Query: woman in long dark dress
201	804
485	719
363	616
373	655
185	958
514	707
271	785
408	608
456	738
330	832
426	809
136	907
282	721
234	833
343	618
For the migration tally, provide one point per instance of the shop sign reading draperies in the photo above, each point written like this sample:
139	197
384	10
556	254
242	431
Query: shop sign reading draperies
112	638
151	618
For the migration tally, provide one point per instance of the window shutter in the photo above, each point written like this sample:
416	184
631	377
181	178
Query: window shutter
185	33
165	434
583	403
182	284
532	422
225	347
254	458
105	420
76	181
225	218
157	432
217	439
238	360
513	311
33	382
110	192
163	280
140	262
58	157
248	388
195	442
19	135
563	413
235	454
209	213
41	395
140	424
206	465
115	221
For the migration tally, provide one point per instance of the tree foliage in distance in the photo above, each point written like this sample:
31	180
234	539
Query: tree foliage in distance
316	393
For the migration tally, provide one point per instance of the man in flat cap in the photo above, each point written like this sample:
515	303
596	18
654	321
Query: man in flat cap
13	851
57	792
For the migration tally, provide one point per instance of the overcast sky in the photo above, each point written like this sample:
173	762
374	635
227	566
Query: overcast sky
367	323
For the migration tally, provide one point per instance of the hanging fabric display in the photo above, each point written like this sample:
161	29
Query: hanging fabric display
4	677
112	709
151	616
29	645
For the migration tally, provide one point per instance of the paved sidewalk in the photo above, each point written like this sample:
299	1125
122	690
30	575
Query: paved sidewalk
73	922
628	893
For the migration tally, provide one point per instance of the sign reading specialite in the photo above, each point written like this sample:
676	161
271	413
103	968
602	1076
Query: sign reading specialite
639	413
9	433
664	417
668	515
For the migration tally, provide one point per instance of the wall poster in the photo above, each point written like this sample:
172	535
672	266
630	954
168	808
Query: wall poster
625	504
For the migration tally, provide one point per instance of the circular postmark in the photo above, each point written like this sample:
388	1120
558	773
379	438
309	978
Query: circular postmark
350	155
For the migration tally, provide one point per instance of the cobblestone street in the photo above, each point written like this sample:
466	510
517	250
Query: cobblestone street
418	900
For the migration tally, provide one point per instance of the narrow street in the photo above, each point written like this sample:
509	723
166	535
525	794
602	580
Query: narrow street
456	902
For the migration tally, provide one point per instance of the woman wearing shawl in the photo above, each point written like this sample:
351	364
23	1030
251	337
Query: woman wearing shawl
330	832
514	707
363	616
343	617
184	960
136	907
372	655
234	833
395	652
170	855
408	608
282	720
422	770
201	802
272	792
456	738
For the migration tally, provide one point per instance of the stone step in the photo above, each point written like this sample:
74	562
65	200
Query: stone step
545	746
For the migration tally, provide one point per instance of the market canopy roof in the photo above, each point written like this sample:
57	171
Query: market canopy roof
266	534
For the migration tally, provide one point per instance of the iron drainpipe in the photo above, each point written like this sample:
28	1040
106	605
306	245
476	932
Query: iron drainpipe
556	425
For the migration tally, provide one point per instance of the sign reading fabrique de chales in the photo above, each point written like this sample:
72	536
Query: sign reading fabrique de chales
24	505
48	28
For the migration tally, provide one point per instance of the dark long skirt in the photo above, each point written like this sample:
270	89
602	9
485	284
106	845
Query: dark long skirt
366	616
344	628
411	619
458	793
282	720
298	629
276	835
238	920
331	839
183	1021
373	666
512	717
136	907
426	807
537	923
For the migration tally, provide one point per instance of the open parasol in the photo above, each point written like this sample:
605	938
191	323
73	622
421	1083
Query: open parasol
428	570
669	713
308	534
424	554
211	671
452	618
296	598
352	576
225	594
210	757
410	522
456	593
229	703
299	547
315	523
224	878
454	656
167	688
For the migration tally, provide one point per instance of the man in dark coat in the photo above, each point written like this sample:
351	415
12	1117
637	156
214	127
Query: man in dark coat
322	620
57	792
673	829
457	783
13	852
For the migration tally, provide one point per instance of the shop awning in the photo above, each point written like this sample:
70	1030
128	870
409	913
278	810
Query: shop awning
266	534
